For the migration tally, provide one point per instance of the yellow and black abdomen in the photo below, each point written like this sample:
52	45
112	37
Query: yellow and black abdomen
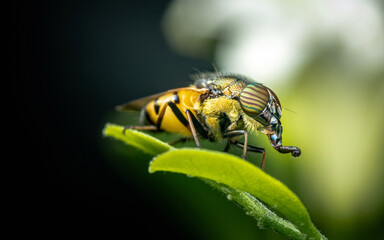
183	99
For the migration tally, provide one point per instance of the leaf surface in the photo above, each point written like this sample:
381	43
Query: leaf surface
140	140
241	175
238	179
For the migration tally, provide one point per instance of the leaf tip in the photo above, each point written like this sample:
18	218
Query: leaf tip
108	128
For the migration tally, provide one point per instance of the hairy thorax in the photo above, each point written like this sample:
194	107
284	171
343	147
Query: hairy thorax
221	114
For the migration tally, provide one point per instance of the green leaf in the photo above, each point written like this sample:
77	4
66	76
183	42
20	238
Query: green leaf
238	179
241	175
137	139
254	208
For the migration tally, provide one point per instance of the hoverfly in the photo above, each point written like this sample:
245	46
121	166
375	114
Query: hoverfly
217	106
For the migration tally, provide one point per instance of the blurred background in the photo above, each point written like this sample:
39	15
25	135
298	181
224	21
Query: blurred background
77	60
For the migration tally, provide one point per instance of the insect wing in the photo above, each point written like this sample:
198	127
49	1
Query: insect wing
138	104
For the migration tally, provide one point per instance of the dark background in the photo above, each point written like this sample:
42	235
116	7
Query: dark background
74	61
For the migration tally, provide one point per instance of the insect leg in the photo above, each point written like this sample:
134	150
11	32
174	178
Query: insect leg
161	115
253	149
196	123
235	133
146	127
193	123
175	110
192	127
155	127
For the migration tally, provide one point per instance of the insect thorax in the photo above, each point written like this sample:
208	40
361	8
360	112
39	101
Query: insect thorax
221	84
221	114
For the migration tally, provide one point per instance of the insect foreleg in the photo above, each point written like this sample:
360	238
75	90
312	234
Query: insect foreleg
244	146
253	149
235	133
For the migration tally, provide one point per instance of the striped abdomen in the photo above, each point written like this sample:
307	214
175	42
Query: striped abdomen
186	98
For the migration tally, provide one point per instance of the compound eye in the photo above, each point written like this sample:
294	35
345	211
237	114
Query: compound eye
254	98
